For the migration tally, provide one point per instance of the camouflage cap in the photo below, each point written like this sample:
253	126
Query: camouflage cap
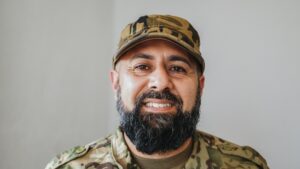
167	27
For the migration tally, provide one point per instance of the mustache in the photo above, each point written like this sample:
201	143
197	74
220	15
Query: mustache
165	94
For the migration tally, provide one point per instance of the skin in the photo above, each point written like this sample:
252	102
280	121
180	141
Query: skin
157	65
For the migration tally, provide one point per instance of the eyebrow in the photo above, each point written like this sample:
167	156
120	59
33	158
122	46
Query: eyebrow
142	56
179	58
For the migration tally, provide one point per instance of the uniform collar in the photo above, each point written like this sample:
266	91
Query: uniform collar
123	156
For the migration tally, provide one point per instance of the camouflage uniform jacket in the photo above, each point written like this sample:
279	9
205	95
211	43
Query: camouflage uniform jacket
209	152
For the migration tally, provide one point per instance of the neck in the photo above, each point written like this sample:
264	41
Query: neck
158	155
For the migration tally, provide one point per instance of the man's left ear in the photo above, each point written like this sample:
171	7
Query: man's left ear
201	83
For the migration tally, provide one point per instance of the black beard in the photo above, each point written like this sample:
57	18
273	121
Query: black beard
153	132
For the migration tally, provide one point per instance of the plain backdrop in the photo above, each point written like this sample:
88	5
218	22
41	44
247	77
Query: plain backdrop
55	57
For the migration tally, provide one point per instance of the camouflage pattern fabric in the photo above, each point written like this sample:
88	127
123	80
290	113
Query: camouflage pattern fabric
167	27
209	152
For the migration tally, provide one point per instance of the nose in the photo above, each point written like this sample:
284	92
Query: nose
160	80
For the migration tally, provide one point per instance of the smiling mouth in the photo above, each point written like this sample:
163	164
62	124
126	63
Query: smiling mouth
159	106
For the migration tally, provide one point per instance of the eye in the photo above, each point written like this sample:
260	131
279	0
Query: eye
177	69
141	67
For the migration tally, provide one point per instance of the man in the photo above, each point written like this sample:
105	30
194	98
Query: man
158	79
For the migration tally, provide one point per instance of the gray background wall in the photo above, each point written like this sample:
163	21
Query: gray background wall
55	58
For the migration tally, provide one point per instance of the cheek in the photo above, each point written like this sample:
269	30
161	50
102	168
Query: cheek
187	91
130	89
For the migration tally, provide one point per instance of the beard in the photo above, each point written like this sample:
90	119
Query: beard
158	132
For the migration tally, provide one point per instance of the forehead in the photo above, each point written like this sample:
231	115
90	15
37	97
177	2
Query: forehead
158	49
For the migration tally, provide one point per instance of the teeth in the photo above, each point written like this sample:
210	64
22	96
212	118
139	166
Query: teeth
158	105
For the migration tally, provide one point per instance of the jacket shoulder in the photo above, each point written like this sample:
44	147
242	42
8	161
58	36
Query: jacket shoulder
228	151
76	152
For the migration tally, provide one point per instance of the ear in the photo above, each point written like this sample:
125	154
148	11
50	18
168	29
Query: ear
114	78
201	83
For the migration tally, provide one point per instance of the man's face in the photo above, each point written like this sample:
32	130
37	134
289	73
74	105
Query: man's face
158	89
157	65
